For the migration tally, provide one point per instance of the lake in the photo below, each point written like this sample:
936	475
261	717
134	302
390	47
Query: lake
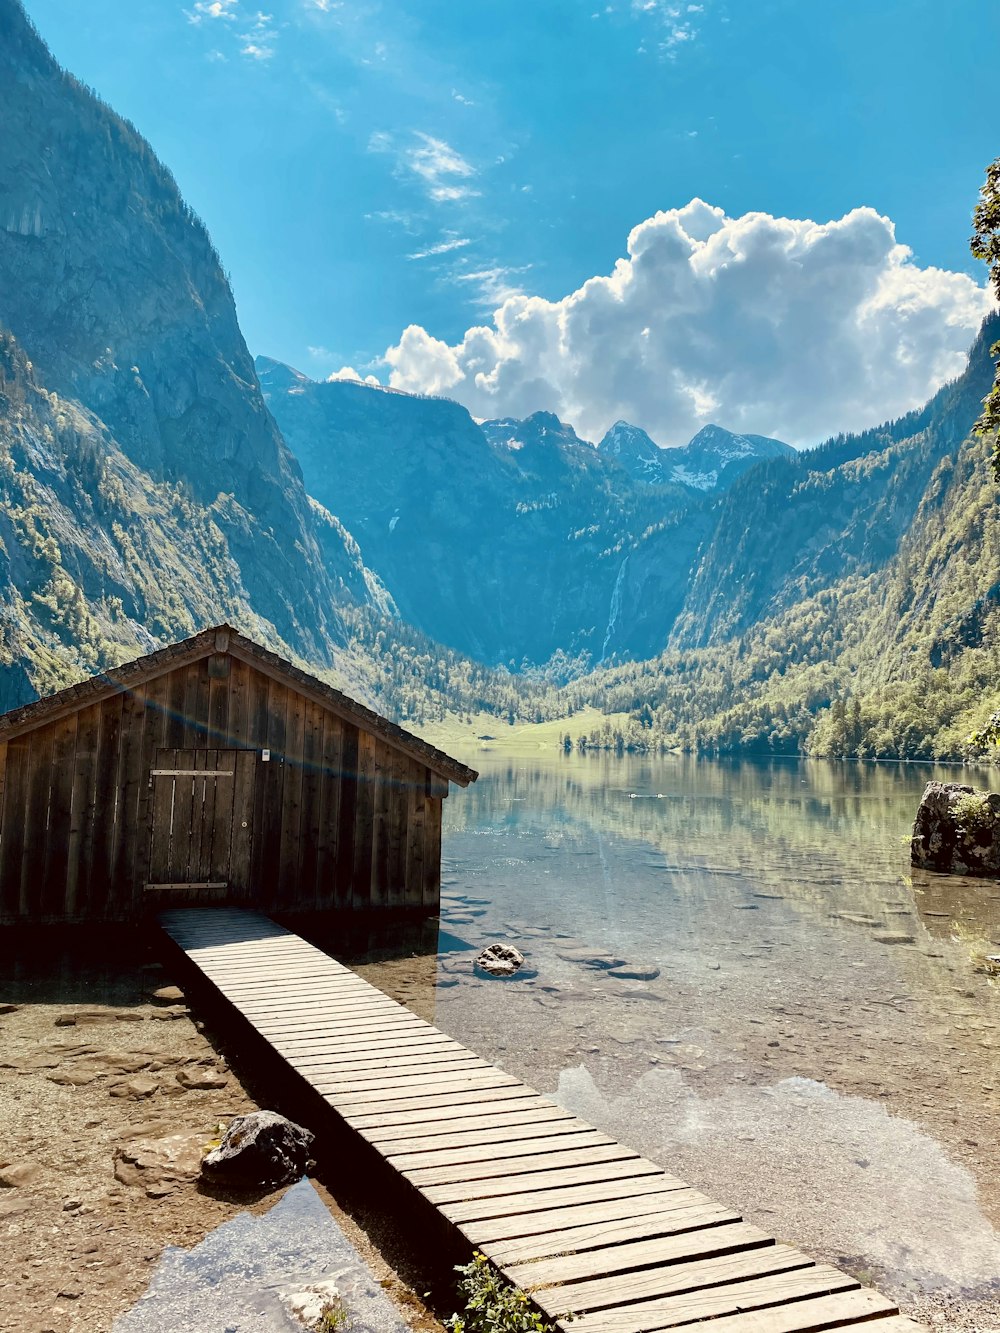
812	1042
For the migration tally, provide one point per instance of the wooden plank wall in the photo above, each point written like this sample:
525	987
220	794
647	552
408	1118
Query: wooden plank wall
341	820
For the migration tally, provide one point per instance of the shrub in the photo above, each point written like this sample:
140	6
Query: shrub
492	1304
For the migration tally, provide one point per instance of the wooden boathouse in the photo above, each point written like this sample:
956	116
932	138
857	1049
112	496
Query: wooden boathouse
215	772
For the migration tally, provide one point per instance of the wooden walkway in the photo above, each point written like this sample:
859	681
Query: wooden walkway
587	1226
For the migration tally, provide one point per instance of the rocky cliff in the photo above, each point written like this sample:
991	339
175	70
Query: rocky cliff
110	288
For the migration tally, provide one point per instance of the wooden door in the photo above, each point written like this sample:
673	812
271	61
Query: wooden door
201	824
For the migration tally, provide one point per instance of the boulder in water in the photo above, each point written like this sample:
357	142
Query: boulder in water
499	960
957	830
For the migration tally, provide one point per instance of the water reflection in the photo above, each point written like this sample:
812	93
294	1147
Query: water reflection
243	1277
814	1044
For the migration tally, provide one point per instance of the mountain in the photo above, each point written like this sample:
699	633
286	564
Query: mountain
639	455
511	541
147	484
711	461
847	601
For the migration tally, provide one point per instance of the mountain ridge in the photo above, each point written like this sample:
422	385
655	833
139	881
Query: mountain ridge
115	305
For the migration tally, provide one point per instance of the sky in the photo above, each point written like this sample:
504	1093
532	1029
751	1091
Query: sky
754	212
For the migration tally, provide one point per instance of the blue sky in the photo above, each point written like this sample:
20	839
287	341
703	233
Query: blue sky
368	166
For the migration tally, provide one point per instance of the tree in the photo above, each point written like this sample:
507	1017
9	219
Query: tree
985	245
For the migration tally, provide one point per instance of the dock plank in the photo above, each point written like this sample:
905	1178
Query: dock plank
622	1257
527	1228
713	1300
617	1232
569	1154
472	1148
641	1181
845	1308
763	1260
585	1224
518	1132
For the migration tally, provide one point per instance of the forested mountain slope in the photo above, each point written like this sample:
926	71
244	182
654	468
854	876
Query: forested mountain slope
146	488
856	612
508	541
795	525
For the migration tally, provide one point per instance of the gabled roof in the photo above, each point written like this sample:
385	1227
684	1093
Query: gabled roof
225	639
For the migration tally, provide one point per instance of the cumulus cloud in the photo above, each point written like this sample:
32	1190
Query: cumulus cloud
782	326
349	373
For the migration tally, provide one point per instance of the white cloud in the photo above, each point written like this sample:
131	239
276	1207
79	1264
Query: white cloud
493	285
442	248
439	168
349	373
212	9
676	24
783	326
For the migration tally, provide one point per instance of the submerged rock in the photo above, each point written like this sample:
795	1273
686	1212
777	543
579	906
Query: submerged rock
262	1148
635	972
499	960
595	958
957	830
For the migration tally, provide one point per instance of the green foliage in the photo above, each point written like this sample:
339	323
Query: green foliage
985	245
334	1317
972	810
492	1304
987	735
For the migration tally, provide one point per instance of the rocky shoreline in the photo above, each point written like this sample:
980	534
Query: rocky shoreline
105	1114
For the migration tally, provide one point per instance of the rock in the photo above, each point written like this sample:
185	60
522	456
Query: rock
169	995
74	1078
79	1017
16	1174
159	1166
117	1062
71	1205
499	960
858	918
957	830
138	1089
171	1011
262	1148
591	958
207	1080
893	937
309	1304
635	972
6	1008
70	1293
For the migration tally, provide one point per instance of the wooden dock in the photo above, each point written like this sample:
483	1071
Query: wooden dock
588	1227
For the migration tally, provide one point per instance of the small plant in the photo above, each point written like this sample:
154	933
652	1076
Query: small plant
492	1304
334	1317
974	812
